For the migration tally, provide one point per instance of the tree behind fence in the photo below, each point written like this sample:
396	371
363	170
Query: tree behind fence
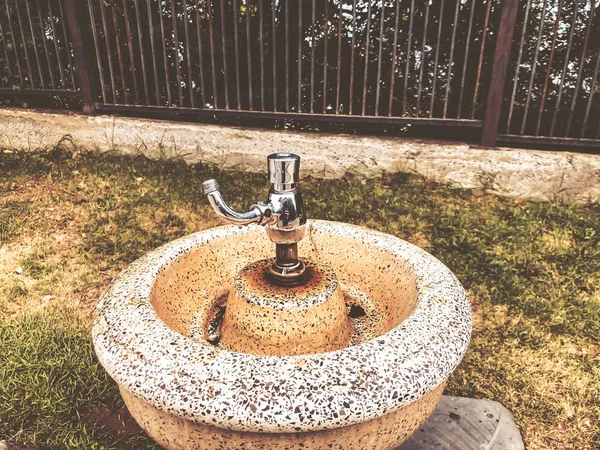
345	58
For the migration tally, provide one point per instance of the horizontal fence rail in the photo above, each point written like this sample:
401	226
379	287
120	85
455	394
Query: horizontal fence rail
438	62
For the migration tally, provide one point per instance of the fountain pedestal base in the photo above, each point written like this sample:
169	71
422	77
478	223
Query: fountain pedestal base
382	433
266	319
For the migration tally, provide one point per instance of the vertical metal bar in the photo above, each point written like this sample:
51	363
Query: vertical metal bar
564	71
351	94
408	48
212	53
97	47
63	21
533	69
164	52
339	60
237	52
451	61
274	50
300	41
395	55
480	65
45	43
549	67
249	53
136	94
8	65
55	39
518	68
33	40
312	58
177	61
466	59
153	47
287	55
113	8
81	52
423	43
188	53
24	47
589	102
15	47
225	72
580	72
325	55
262	54
367	48
495	95
140	43
201	53
378	83
109	54
435	64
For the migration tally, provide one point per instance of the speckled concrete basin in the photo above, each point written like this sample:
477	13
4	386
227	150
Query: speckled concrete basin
151	335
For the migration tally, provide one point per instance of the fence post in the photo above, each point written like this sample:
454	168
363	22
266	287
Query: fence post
508	19
84	68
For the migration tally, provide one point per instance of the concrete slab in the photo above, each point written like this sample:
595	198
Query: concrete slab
460	423
528	174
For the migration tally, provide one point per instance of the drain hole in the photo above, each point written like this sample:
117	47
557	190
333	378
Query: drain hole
213	331
356	312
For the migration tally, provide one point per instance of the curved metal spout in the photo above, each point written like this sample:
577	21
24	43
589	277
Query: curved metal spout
282	215
216	200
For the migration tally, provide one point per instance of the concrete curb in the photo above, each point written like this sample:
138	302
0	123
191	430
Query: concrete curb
529	174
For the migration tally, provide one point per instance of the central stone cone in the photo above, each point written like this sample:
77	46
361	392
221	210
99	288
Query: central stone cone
265	319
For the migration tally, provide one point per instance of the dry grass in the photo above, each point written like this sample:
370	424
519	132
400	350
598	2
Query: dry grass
69	223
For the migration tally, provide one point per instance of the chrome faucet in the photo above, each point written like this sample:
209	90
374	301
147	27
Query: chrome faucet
282	215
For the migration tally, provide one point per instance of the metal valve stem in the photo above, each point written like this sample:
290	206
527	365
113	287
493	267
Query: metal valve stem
282	215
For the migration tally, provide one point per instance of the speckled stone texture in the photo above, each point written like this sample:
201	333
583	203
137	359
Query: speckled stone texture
151	334
385	432
266	319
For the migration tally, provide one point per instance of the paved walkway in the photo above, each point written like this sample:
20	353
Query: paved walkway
528	174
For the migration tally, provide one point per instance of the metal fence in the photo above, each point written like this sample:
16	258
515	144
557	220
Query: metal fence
552	88
35	54
438	63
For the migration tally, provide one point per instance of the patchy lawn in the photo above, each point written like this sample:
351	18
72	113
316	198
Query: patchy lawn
69	222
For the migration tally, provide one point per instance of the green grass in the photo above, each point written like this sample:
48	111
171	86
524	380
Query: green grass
35	263
532	271
13	216
49	377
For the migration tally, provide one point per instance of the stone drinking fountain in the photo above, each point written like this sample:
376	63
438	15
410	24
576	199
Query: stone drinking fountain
344	339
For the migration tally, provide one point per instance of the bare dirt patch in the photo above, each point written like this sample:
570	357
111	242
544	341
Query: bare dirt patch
118	422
